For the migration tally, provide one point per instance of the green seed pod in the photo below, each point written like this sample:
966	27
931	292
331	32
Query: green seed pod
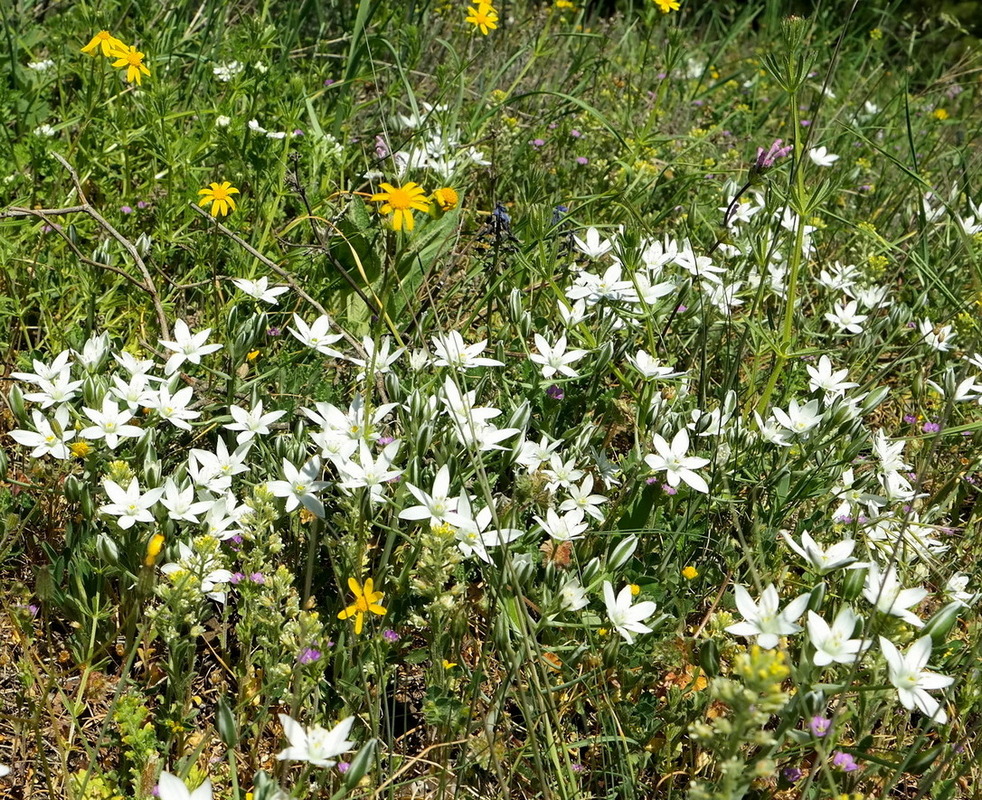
940	625
3	464
709	658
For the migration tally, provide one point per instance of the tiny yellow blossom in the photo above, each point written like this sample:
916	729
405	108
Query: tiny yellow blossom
690	573
667	5
365	600
80	449
153	549
105	43
445	198
940	113
484	17
565	5
635	589
252	355
400	202
132	59
220	196
449	664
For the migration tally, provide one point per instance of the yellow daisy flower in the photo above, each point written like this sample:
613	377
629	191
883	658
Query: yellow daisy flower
667	5
220	197
400	202
132	59
445	198
365	600
105	43
483	17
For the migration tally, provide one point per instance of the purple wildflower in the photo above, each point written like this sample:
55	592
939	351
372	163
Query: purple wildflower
555	392
582	160
307	655
765	159
819	726
390	635
931	427
844	761
791	774
668	489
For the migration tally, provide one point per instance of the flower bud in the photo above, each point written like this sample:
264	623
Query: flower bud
393	387
591	571
226	724
817	597
520	416
940	625
853	583
622	553
92	392
15	400
143	245
73	489
106	549
360	764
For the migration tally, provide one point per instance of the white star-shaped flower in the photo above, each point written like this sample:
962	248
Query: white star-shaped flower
315	745
765	619
912	681
627	618
676	464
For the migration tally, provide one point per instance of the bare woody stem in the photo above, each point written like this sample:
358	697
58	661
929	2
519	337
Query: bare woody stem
84	207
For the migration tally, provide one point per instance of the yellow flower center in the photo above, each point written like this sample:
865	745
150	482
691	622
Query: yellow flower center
219	193
400	199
